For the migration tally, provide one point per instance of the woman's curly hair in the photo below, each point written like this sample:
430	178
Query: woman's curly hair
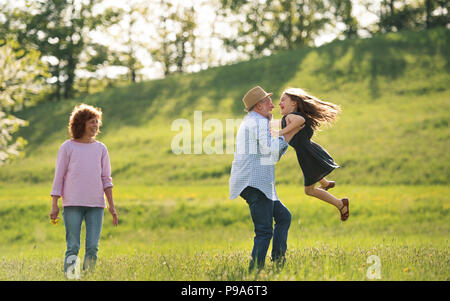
80	114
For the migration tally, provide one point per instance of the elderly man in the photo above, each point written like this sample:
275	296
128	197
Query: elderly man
253	177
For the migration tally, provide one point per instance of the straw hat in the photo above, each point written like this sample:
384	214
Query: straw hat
254	96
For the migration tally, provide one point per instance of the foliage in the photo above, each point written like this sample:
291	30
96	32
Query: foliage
343	12
396	15
59	29
275	25
176	38
439	19
21	78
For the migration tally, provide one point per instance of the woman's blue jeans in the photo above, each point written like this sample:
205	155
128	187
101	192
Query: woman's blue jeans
73	218
264	211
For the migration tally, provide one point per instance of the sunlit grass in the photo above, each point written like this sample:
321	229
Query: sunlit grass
175	219
196	233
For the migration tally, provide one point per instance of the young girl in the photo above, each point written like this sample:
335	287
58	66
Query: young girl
302	114
82	177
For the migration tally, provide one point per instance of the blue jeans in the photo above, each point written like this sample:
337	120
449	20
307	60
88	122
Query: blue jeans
73	217
263	212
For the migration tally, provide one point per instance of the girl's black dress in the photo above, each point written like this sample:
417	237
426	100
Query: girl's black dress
314	161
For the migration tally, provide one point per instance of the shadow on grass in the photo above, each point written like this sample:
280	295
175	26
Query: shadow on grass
178	94
381	56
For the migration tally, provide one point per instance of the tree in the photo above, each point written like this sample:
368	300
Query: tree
274	25
395	15
185	38
59	29
94	58
255	26
343	12
130	39
161	53
21	78
176	37
437	13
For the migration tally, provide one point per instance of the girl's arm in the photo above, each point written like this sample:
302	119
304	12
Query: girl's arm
293	122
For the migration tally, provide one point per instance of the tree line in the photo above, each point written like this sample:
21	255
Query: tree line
48	50
59	30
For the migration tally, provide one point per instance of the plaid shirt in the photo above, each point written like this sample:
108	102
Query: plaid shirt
255	156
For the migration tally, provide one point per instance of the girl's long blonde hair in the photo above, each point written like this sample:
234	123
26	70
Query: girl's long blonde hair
317	111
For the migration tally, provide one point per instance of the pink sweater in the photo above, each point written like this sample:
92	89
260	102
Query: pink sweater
82	173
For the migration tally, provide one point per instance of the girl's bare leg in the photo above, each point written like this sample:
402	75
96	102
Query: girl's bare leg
324	196
324	182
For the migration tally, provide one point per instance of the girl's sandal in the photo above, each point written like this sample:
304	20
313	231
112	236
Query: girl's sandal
344	216
330	185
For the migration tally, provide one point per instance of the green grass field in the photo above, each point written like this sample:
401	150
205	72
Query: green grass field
175	219
196	233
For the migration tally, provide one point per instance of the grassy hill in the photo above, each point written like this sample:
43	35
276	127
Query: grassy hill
391	140
394	91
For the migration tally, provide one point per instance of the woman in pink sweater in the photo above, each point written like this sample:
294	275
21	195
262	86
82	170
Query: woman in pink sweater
82	177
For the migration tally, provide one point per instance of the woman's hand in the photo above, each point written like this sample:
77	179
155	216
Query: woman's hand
55	209
112	209
54	213
113	212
